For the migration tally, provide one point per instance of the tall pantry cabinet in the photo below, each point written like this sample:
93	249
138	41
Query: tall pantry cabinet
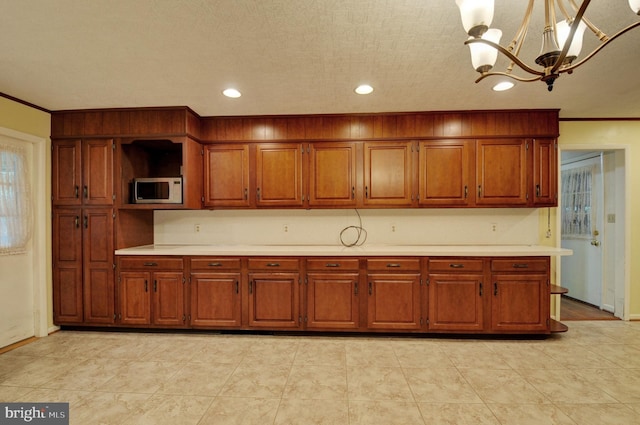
83	216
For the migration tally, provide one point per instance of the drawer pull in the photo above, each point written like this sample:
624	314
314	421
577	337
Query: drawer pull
152	264
520	266
456	266
332	265
273	264
215	264
355	288
395	265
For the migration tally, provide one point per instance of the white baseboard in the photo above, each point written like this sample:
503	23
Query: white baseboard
53	329
634	317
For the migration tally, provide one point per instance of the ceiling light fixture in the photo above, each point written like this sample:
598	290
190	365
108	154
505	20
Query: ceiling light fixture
561	41
364	89
233	93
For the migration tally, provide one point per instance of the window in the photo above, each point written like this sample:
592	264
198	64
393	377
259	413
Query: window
577	207
15	201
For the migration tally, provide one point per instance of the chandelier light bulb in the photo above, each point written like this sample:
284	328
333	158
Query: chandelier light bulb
563	28
483	56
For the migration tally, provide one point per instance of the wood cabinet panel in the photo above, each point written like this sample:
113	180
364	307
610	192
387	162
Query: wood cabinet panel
67	266
135	301
545	173
215	263
520	302
393	264
226	172
66	170
333	264
97	165
98	282
332	174
332	301
216	300
445	171
275	263
274	300
394	301
450	265
456	302
501	172
279	175
168	299
388	174
146	262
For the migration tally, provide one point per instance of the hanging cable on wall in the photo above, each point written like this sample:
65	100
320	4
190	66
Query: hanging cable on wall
361	233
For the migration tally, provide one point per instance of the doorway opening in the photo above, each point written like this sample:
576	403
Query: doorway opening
592	220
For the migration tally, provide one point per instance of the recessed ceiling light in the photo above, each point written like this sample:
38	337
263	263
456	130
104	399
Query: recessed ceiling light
231	93
503	85
364	89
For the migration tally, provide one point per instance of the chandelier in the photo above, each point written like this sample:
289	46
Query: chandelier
561	41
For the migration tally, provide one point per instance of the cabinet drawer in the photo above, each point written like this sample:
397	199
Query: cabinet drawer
519	265
206	263
150	263
393	264
333	264
273	264
455	265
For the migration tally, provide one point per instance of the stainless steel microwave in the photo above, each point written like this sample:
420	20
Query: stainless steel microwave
157	190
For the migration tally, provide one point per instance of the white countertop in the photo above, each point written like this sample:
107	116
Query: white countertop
342	251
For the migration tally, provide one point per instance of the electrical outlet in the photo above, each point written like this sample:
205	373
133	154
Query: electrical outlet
393	227
285	228
494	227
196	228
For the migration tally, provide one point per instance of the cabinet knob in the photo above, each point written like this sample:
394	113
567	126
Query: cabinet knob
85	191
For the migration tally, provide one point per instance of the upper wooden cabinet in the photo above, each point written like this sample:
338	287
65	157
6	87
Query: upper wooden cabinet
82	172
332	174
501	172
388	174
279	175
226	175
544	173
446	172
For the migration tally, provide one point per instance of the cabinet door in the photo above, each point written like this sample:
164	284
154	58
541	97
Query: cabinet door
168	299
332	174
215	300
545	173
274	300
520	302
455	302
279	175
67	266
97	166
66	172
501	172
445	172
388	173
135	300
332	301
226	176
99	298
394	301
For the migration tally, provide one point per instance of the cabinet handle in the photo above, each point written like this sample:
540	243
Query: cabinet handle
258	194
251	286
370	288
215	264
479	191
86	222
77	222
355	288
146	286
466	191
332	265
520	266
537	191
246	193
480	288
85	191
155	286
152	264
273	264
77	191
395	265
353	192
456	266
495	288
366	192
237	287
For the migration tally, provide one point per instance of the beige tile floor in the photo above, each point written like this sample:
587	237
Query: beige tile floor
588	376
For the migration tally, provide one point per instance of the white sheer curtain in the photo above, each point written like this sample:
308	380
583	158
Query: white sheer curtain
16	222
577	204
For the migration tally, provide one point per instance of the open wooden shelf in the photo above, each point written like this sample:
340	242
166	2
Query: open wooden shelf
555	289
557	327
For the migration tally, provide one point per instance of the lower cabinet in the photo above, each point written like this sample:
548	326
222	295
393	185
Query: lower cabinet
333	294
151	292
393	287
274	293
215	292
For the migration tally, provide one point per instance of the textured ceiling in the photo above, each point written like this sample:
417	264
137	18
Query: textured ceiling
292	57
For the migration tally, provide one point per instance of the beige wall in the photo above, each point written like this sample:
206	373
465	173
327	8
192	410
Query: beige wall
614	133
22	118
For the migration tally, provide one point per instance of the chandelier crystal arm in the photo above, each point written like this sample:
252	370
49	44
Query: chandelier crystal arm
507	53
600	47
572	31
